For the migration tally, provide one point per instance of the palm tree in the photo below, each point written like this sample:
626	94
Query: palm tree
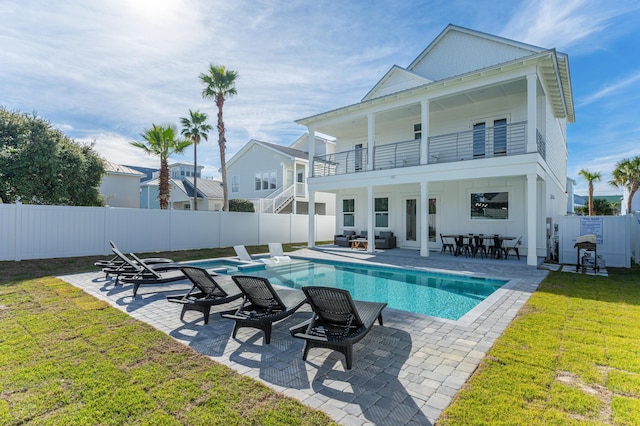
162	141
220	84
627	174
590	177
195	128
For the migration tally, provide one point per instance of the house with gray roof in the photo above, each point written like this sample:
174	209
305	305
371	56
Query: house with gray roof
181	191
274	177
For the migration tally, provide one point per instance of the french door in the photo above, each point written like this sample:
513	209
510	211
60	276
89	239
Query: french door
411	229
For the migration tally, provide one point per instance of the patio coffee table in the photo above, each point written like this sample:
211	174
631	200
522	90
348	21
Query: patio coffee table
359	243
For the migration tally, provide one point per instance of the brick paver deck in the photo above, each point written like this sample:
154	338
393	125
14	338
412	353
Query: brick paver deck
406	372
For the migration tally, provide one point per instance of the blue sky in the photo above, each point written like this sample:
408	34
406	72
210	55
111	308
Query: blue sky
104	71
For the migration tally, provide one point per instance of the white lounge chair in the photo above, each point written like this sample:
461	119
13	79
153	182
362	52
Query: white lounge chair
242	253
276	255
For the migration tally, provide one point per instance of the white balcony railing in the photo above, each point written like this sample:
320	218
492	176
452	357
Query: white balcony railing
497	141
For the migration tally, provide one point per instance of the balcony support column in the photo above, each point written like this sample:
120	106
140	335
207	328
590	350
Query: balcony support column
532	209
371	238
424	140
532	112
371	133
311	235
424	219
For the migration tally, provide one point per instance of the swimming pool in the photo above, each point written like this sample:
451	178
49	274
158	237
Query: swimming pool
447	296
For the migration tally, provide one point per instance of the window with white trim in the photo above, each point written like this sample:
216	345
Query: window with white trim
349	212
235	183
266	180
381	207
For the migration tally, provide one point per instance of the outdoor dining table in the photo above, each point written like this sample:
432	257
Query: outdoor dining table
458	250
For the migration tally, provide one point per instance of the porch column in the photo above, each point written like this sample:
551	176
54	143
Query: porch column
371	133
371	217
532	185
532	112
424	141
424	218
311	234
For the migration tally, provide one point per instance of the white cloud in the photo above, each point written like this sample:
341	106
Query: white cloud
563	24
610	89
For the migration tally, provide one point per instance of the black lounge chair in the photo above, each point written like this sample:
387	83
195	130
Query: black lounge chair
262	305
117	261
130	267
205	293
338	321
148	275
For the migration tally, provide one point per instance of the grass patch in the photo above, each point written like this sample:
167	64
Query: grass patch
68	358
571	356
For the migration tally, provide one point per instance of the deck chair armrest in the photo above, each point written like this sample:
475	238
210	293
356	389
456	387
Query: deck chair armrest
300	328
311	337
233	316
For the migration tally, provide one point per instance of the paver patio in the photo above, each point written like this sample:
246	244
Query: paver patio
405	372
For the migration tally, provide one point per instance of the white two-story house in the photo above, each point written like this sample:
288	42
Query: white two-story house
469	138
274	177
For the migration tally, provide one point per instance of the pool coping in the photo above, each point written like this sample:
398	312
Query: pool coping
406	371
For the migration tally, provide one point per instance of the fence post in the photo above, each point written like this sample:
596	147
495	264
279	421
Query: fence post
17	244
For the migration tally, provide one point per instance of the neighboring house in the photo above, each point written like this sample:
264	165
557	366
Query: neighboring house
469	138
210	195
579	202
120	186
274	177
571	200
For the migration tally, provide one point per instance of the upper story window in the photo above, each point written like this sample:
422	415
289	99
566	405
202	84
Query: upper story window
490	137
417	131
490	205
235	183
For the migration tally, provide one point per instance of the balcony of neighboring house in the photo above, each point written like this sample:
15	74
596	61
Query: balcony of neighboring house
499	140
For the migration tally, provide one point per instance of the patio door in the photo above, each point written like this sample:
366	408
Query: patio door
411	228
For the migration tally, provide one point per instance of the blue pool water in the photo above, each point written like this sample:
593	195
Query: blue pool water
442	295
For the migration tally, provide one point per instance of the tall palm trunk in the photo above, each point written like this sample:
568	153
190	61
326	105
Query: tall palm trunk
590	198
222	144
632	191
163	185
195	176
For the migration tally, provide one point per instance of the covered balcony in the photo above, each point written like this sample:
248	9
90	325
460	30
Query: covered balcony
499	140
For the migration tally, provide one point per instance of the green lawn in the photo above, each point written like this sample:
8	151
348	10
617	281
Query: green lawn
571	357
68	358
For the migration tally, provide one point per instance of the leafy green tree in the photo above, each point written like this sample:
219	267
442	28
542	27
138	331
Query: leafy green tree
601	207
240	205
590	177
195	128
627	175
220	84
40	165
162	141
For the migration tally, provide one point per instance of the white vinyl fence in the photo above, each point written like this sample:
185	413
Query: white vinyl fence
618	238
42	232
635	238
